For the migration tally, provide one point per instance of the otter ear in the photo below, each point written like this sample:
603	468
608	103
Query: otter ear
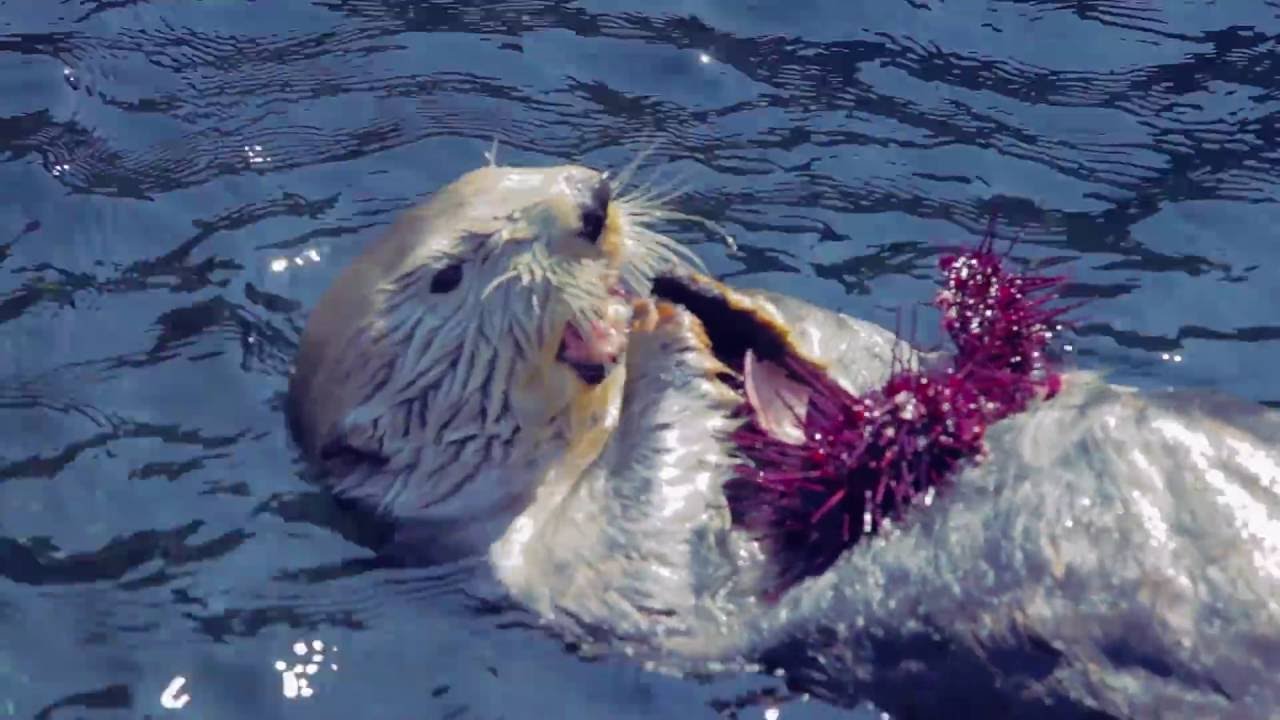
780	403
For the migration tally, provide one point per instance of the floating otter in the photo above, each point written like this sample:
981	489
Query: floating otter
521	370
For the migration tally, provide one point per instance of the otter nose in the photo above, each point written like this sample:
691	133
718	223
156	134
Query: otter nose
595	208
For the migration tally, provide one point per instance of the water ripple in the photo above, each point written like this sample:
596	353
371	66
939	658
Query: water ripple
184	181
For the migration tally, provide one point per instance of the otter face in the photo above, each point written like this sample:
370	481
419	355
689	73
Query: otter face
482	335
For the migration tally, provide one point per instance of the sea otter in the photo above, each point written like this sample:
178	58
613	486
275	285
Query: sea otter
521	370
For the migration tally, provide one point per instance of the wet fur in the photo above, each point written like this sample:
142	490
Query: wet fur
448	409
1109	558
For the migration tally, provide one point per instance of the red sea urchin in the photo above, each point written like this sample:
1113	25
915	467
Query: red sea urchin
853	462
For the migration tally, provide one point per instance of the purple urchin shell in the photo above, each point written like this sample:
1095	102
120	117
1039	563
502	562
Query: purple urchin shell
865	459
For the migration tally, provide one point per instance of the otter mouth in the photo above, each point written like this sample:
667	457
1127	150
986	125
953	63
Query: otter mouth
592	348
591	352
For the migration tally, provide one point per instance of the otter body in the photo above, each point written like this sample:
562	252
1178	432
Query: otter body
1115	554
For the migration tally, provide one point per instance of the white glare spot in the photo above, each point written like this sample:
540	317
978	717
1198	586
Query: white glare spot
170	697
254	154
279	265
315	257
296	678
316	645
1164	356
1068	348
1177	358
704	58
772	713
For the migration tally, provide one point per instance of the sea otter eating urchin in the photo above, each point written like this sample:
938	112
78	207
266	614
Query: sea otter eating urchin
520	370
470	357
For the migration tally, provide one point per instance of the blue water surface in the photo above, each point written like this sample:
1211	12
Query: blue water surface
181	180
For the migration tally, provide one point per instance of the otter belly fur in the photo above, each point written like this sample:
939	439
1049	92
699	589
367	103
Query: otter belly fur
1112	554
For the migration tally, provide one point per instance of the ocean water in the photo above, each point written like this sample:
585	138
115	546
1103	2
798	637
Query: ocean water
181	180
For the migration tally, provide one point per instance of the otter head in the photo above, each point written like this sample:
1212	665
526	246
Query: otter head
475	350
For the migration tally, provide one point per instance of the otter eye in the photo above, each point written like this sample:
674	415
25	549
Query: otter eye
447	279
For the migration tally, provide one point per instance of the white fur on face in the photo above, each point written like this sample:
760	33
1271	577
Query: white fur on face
448	387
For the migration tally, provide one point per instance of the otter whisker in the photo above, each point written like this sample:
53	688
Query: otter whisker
584	288
654	196
628	172
668	248
492	155
653	253
666	214
675	193
654	249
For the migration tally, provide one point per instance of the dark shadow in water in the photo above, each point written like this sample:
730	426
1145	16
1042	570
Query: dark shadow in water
111	697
